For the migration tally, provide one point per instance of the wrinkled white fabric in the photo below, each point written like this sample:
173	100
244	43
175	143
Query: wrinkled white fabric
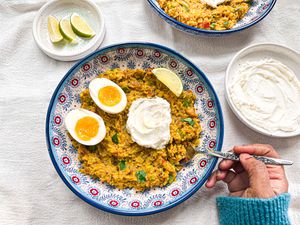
31	191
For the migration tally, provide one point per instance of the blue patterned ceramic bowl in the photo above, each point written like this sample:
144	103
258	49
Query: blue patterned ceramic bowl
128	201
259	10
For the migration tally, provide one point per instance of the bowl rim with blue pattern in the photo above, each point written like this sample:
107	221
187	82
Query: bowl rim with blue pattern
197	31
198	182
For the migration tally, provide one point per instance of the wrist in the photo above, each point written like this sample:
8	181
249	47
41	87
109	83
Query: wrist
265	194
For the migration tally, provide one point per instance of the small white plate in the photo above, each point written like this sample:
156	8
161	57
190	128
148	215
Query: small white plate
256	52
60	8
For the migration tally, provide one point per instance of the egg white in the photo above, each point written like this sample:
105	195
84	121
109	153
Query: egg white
71	121
99	83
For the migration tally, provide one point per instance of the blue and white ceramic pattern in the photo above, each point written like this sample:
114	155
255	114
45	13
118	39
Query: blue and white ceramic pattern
128	201
259	10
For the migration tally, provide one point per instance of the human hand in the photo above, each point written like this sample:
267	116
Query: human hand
250	178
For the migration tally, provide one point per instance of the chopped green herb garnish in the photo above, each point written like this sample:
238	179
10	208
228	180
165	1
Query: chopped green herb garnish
115	138
171	178
249	2
141	175
126	89
212	25
181	133
92	148
122	165
185	6
189	121
238	9
151	83
186	103
226	23
89	101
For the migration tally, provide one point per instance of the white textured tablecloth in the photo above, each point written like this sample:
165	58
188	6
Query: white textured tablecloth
31	192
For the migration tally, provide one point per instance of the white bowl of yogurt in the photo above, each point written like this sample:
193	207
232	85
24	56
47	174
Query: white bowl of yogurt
263	89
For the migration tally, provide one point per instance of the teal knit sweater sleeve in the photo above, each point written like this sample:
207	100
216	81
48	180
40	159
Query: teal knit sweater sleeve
246	211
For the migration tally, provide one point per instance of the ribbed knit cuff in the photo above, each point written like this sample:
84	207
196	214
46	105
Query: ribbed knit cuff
235	210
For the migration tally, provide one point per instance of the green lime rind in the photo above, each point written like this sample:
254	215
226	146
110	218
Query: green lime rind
80	26
80	34
66	30
53	30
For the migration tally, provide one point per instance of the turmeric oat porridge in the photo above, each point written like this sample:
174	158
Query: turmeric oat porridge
120	158
200	14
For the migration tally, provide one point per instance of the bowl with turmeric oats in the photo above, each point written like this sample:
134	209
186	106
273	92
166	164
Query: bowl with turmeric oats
212	17
120	174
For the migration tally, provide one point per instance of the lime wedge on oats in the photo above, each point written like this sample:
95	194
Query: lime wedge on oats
170	79
80	26
66	30
53	30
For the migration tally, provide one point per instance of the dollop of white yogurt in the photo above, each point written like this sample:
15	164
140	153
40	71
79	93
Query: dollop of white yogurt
149	122
213	3
267	93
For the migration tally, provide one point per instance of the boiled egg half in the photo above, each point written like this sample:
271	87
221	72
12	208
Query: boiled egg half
107	95
85	127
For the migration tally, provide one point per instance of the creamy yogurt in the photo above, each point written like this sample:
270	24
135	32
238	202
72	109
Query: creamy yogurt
149	122
267	94
213	3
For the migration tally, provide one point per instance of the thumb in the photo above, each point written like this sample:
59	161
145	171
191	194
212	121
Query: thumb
257	172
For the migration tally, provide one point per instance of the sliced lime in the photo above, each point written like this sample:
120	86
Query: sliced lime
53	30
66	30
170	79
80	26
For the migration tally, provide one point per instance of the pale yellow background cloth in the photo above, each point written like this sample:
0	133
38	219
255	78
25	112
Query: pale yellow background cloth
31	192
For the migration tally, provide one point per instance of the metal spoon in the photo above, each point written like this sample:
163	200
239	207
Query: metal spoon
235	157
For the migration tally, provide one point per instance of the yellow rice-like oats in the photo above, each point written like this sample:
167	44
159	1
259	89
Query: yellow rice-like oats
126	164
200	15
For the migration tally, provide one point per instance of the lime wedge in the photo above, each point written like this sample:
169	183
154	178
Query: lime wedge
80	26
53	30
66	30
170	79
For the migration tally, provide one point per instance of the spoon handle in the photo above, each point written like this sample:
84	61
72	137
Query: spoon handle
264	159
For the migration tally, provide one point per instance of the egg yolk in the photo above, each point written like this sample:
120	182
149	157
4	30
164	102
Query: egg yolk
109	96
86	128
